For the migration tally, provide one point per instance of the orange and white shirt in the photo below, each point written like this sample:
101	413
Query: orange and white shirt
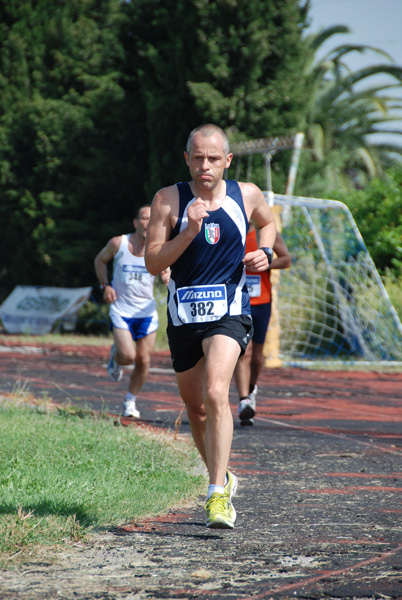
258	284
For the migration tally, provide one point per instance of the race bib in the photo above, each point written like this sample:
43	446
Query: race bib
253	283
131	274
201	303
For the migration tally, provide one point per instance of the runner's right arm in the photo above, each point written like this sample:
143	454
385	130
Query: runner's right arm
101	260
160	250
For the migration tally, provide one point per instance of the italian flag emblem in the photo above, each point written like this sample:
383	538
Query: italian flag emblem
212	233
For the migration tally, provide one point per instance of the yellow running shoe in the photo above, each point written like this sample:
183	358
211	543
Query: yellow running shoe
220	512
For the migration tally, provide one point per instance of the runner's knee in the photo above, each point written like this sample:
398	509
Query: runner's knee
196	412
216	396
124	357
143	360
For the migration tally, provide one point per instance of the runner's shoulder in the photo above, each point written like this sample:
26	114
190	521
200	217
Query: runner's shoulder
166	199
249	189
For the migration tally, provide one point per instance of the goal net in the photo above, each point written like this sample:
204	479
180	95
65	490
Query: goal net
331	302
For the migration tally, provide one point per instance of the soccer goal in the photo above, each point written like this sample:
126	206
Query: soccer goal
332	302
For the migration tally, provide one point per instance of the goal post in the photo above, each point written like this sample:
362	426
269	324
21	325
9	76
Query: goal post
332	302
267	148
271	350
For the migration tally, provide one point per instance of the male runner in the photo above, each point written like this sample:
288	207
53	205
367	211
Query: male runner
249	366
199	229
133	314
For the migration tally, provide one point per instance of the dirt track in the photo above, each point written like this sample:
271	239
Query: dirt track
319	503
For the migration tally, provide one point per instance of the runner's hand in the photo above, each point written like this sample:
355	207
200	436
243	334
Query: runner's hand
256	261
109	294
165	275
196	214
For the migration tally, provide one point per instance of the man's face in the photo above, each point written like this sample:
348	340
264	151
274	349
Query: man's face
141	223
207	160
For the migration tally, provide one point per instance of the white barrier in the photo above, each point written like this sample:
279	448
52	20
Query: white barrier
35	310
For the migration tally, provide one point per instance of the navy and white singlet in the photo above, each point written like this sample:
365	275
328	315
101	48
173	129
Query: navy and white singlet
208	280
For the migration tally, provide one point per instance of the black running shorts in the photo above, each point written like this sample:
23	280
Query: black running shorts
185	341
261	314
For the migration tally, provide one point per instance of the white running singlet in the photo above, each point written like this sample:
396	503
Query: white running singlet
133	284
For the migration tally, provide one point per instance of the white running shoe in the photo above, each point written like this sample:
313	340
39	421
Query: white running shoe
253	394
114	370
246	409
130	409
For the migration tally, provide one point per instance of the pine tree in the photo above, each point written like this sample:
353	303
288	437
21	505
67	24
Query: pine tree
236	63
61	130
97	98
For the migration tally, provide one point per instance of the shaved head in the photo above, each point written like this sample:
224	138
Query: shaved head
206	131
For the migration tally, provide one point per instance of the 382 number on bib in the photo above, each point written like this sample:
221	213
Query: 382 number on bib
201	304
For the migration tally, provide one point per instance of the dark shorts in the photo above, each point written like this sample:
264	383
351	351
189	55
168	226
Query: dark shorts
185	341
261	314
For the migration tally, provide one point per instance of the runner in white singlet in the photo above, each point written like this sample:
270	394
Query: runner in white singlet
133	315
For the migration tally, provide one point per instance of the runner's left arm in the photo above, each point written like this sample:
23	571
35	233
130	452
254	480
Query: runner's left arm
261	215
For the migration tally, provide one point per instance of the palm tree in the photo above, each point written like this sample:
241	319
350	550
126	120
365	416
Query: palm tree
342	120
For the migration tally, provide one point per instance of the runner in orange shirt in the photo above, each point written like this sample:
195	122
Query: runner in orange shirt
250	364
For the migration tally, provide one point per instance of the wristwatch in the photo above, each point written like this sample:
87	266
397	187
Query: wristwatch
269	252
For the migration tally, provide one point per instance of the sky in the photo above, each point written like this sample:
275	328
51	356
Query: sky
372	22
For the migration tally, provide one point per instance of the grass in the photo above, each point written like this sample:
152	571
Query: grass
63	475
73	339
